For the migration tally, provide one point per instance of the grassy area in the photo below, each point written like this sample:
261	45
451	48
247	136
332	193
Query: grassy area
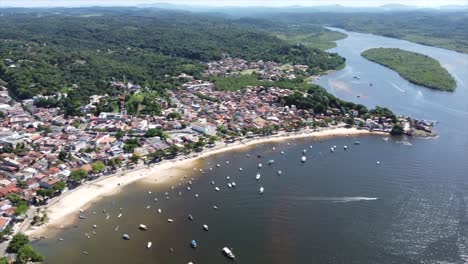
451	44
414	67
242	81
322	40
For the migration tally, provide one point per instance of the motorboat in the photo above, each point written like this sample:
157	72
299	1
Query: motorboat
205	227
261	189
149	244
304	158
142	227
228	253
258	176
193	244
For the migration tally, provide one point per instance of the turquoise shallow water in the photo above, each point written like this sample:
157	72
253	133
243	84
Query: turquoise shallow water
337	207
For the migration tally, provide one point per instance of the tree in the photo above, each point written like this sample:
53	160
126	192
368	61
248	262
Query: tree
26	254
59	186
98	166
78	175
119	134
63	155
135	158
5	233
153	132
397	130
21	208
3	260
17	242
173	115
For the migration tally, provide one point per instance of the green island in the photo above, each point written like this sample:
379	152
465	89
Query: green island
414	67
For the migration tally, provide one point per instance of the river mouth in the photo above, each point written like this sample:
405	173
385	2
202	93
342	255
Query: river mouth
339	207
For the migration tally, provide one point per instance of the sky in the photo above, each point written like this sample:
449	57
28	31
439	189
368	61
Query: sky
358	3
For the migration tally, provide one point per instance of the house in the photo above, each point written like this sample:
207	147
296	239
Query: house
4	223
204	127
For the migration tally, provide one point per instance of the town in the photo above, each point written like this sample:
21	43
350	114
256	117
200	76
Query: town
45	152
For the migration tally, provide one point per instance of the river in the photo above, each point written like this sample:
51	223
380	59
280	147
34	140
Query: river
337	207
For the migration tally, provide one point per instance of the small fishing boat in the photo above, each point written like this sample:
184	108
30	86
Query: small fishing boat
248	155
188	188
240	169
116	228
258	176
357	143
82	217
228	253
217	189
271	162
229	185
215	207
345	147
193	244
304	158
149	192
227	161
190	217
196	195
259	165
233	184
148	207
94	226
212	182
279	172
149	244
332	149
60	239
378	162
170	220
85	252
126	237
310	146
261	189
190	182
217	165
205	227
282	152
159	211
142	227
228	178
304	151
120	215
94	233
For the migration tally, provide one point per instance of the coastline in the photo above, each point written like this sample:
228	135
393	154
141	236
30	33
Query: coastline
60	209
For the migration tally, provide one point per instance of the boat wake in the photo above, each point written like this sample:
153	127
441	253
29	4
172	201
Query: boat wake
397	87
333	199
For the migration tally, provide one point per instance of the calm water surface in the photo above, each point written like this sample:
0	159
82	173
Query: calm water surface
337	207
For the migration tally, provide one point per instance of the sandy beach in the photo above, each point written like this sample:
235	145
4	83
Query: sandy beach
61	209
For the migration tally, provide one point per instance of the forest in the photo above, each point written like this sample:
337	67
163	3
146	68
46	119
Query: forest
414	67
80	54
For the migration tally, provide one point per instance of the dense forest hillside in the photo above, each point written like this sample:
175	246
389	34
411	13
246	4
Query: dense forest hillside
44	53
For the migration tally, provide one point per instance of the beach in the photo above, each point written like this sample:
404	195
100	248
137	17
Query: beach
60	210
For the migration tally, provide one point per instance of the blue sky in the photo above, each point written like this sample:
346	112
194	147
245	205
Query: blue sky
45	3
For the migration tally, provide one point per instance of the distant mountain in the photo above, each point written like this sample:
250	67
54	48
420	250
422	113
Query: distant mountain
454	7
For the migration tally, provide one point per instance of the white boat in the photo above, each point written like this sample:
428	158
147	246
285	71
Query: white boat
304	151
196	195
261	189
143	227
227	161
282	152
170	220
159	211
188	188
304	158
148	207
217	189
94	226
378	162
149	244
279	172
240	169
228	178
212	182
190	182
217	165
259	165
228	253
149	192
345	147
233	185
215	207
205	227
310	146
229	185
332	149
258	176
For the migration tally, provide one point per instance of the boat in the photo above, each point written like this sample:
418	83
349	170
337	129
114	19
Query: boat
159	211
261	189
248	155
217	165
378	162
94	226
271	162
170	220
193	244
310	146
227	161
60	239
120	215
188	188
215	207
345	147
258	176
229	185
357	143
205	227
149	192
126	237
279	172
149	244
304	151
228	253
142	227
332	149
94	232
86	253
116	228
212	182
282	152
240	169
196	195
148	207
259	165
189	182
217	189
190	217
82	217
228	178
304	158
233	185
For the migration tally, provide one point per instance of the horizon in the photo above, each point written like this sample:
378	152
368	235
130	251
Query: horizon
231	3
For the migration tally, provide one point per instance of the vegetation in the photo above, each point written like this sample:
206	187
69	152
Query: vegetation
321	40
414	67
80	55
25	253
20	204
78	175
98	166
236	83
397	130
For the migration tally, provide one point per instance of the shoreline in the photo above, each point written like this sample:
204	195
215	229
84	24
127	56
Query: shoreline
60	209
